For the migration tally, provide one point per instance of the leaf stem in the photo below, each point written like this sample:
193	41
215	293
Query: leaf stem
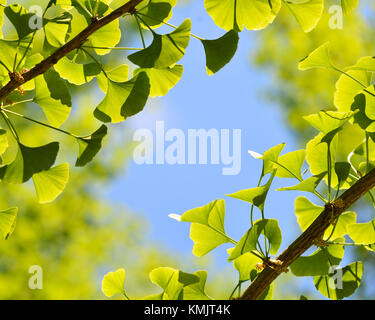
168	24
39	122
140	31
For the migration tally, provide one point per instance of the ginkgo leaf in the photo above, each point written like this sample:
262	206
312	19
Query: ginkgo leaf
269	228
165	50
162	80
124	99
269	158
56	25
113	283
347	88
107	36
220	51
235	14
3	143
155	12
306	212
3	2
364	64
326	121
7	222
369	94
50	183
342	283
306	12
76	73
173	281
342	170
318	263
53	96
245	264
196	291
28	161
362	233
256	196
289	165
317	153
319	58
308	185
8	50
90	145
19	17
348	5
207	229
118	74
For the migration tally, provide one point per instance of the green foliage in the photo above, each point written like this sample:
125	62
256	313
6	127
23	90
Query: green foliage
7	222
156	73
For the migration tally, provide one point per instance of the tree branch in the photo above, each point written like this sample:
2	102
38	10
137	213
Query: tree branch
311	236
17	80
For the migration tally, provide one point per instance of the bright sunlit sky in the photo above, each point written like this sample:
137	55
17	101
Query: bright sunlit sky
231	99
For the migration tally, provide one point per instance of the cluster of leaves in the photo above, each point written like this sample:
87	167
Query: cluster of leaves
328	177
156	73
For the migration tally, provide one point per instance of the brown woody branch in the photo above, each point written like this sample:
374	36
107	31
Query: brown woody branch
311	236
75	43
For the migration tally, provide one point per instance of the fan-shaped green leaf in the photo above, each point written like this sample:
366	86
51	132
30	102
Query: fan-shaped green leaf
173	281
342	170
362	233
207	228
347	88
269	157
256	196
3	143
319	262
7	222
369	94
306	12
235	14
118	74
308	185
113	283
244	264
107	36
319	58
75	73
289	165
124	99
155	12
50	183
165	50
316	156
162	80
28	161
89	146
326	121
269	228
53	96
342	283
56	26
19	17
220	51
196	291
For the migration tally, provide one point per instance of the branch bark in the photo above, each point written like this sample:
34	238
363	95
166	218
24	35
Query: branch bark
311	236
75	43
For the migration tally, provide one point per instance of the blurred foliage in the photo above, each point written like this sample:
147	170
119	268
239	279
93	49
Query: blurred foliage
282	45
